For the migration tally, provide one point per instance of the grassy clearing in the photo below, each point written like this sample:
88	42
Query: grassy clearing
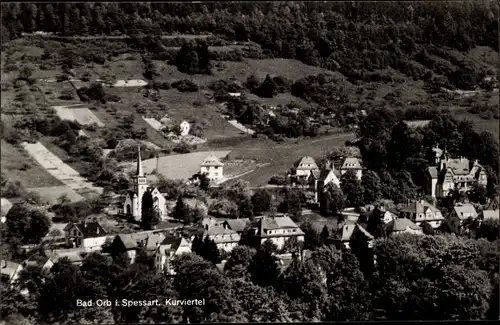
51	194
282	157
19	166
181	166
217	127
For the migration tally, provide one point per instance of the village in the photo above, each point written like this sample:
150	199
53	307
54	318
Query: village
214	162
168	238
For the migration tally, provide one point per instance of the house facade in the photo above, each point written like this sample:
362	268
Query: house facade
88	235
492	211
453	174
225	238
278	230
305	167
353	164
132	206
129	244
213	168
420	211
167	250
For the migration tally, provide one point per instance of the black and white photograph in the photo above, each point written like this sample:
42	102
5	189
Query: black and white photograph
249	162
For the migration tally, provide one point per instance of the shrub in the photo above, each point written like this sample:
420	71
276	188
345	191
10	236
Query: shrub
185	86
182	148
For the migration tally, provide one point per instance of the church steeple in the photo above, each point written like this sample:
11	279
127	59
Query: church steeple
140	173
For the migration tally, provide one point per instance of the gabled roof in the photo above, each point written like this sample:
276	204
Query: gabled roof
36	260
433	171
237	225
8	268
275	223
305	161
5	206
416	123
419	207
351	163
459	166
401	224
88	229
494	204
218	230
465	211
211	161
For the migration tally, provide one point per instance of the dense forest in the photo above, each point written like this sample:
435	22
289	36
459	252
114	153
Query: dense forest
353	38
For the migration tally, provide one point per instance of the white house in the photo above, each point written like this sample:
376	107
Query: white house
88	235
213	168
278	230
167	250
10	271
403	225
353	164
133	201
306	166
185	128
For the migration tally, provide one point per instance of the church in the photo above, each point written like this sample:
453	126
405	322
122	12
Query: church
133	202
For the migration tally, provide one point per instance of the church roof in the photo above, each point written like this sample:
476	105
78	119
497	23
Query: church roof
139	171
433	172
459	166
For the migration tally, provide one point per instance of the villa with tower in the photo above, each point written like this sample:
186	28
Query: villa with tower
133	202
452	174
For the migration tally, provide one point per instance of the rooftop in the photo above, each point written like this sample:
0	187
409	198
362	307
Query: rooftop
401	224
465	211
307	163
8	268
88	229
211	161
351	163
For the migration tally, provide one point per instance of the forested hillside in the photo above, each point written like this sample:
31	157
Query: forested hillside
353	38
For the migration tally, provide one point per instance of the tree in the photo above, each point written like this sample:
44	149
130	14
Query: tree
347	290
304	282
311	236
199	278
261	201
478	193
352	189
264	270
427	228
210	251
180	210
245	208
372	187
149	215
268	89
325	234
239	261
292	204
332	199
28	224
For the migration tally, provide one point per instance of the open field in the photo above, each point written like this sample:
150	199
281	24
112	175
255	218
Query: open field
181	166
81	115
51	194
56	167
19	166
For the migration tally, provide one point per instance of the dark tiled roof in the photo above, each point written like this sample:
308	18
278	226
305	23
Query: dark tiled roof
401	224
237	225
88	229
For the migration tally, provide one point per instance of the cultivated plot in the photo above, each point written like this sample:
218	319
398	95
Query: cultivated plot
57	168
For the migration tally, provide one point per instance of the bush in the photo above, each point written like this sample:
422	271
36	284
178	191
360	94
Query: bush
182	148
185	86
278	180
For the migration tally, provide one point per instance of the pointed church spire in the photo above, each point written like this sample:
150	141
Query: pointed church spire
139	163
